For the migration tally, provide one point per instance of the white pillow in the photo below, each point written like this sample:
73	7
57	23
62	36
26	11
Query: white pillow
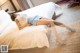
45	10
4	20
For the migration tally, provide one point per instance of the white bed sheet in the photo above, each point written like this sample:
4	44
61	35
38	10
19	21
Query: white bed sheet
29	37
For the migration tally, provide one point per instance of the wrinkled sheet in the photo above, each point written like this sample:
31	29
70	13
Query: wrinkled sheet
29	37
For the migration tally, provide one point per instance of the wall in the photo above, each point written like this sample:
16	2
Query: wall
8	5
1	2
16	4
35	3
38	2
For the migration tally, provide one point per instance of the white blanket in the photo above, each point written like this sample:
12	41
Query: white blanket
29	37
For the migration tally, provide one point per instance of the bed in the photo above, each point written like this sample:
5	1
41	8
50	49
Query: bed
29	37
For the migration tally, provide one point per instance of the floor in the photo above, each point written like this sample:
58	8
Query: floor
71	17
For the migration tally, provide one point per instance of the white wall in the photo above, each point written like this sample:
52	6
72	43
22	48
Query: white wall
38	2
56	0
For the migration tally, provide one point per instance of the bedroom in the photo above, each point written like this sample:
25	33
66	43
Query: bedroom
70	16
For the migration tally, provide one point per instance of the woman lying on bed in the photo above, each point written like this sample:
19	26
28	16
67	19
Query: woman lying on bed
23	21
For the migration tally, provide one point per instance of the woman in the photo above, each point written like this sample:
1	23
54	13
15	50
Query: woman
22	22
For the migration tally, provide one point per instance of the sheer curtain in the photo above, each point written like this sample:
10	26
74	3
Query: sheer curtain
23	4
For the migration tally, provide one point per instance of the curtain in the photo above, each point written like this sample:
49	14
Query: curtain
23	4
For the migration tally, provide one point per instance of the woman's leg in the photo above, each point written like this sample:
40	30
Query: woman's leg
53	28
44	21
62	25
58	37
49	21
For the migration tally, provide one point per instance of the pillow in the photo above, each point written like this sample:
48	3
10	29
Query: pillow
21	21
4	19
45	10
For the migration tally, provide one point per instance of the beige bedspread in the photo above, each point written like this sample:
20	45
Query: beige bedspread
29	37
